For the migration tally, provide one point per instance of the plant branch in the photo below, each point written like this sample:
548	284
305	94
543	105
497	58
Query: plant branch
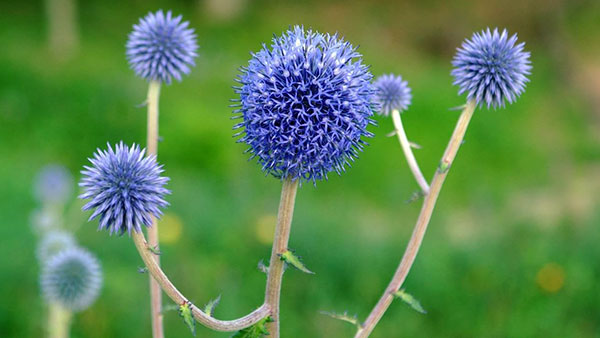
410	157
280	242
152	149
219	325
421	226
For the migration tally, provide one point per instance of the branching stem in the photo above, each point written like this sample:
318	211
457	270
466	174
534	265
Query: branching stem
163	281
421	226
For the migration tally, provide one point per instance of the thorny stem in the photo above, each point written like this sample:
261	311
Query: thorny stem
219	325
280	242
152	149
410	157
59	321
421	226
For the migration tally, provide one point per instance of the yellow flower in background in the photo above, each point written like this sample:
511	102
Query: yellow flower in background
170	228
265	227
551	277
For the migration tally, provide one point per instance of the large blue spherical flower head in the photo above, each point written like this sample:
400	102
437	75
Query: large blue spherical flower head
72	278
305	104
125	188
491	68
391	93
161	47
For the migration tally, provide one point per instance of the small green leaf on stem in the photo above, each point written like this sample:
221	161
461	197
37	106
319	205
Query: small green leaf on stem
185	311
410	300
262	267
344	317
294	261
209	308
444	167
154	250
258	330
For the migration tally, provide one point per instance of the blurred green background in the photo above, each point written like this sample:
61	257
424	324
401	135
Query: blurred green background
512	250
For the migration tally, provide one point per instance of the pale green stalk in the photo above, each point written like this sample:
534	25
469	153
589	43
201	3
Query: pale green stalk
59	321
152	149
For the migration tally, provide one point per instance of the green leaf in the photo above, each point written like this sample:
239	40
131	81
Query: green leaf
444	167
154	250
344	317
258	330
185	311
410	300
210	306
294	261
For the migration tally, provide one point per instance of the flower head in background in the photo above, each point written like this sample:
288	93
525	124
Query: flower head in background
125	188
53	184
305	104
72	278
161	47
53	243
491	68
391	93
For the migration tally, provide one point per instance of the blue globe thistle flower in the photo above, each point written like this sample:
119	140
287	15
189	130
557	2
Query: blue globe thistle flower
53	243
491	68
391	93
53	184
125	188
305	104
161	47
72	278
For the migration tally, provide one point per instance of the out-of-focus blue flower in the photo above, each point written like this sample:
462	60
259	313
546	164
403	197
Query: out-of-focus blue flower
53	243
125	188
305	104
391	93
72	278
491	68
53	184
161	47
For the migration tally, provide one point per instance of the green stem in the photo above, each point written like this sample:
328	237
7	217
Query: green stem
59	321
410	157
152	149
280	243
421	226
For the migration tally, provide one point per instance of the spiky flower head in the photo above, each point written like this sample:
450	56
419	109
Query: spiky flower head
125	188
305	104
53	243
53	184
391	93
72	278
491	68
161	47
